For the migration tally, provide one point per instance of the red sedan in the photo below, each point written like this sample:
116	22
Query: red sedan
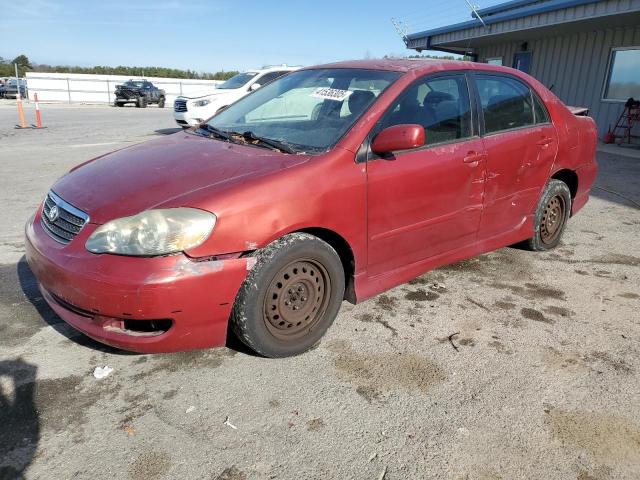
332	183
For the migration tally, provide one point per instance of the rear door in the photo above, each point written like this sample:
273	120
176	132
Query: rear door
428	200
521	145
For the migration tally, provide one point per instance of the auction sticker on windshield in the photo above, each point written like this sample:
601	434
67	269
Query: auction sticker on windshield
331	94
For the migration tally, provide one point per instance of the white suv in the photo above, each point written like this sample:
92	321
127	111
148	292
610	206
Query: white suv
189	111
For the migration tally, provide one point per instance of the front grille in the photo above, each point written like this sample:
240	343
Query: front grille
126	93
66	223
180	105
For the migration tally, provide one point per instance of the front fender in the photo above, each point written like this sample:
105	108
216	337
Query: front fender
327	192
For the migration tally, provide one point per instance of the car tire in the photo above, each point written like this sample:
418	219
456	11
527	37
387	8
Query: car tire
551	216
142	102
161	102
274	313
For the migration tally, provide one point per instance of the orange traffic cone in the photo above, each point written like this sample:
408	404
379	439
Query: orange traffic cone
38	117
23	123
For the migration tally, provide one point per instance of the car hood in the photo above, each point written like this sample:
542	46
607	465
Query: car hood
159	172
210	93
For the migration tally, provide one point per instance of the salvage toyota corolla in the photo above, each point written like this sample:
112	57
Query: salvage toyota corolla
334	182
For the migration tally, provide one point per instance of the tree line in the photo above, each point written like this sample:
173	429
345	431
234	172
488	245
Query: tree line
7	69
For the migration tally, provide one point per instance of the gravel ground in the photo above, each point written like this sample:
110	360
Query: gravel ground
510	365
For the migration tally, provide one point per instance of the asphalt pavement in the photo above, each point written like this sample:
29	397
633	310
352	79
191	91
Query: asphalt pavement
510	365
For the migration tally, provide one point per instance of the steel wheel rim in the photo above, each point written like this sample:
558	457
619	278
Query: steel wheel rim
552	219
296	299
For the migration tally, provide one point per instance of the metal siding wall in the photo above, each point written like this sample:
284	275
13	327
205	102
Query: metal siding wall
576	64
608	7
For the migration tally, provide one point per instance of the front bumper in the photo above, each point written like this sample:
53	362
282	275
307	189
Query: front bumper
96	294
186	119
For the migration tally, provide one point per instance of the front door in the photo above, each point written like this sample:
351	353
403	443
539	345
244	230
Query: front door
428	200
521	145
522	61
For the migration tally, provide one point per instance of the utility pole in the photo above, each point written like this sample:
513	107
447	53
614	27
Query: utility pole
17	81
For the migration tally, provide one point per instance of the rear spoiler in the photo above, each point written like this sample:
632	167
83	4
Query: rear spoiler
579	111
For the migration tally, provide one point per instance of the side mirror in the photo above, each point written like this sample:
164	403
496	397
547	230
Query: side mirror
399	137
254	86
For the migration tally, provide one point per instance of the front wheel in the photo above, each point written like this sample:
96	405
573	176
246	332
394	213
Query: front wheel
142	102
291	296
552	214
161	102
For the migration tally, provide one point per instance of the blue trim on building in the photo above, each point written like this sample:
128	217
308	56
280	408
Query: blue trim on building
501	17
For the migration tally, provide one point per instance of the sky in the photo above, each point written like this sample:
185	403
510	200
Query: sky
208	36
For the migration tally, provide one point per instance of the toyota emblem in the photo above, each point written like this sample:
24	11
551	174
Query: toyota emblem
53	214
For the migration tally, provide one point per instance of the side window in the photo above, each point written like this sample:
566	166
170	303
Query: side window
540	111
506	103
441	105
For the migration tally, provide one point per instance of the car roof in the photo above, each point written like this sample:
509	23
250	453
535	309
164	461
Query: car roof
418	65
274	68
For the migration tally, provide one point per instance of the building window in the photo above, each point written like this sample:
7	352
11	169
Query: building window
494	61
623	80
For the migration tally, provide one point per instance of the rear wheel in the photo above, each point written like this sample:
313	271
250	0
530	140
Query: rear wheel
552	214
291	296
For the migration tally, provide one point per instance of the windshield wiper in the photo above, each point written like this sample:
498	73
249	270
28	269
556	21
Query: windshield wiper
268	142
216	132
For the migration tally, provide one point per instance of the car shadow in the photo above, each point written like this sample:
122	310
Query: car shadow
29	286
19	419
235	344
168	131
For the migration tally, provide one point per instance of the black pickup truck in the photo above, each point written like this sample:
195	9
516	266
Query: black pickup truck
140	92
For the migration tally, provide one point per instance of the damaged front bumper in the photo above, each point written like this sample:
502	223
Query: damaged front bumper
155	304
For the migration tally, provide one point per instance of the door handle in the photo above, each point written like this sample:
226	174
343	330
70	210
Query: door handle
545	141
473	157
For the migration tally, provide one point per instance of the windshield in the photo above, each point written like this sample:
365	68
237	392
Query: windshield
309	110
133	84
237	81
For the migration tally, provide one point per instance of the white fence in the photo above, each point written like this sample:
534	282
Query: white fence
88	88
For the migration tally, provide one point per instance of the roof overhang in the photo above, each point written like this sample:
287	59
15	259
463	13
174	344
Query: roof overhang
524	20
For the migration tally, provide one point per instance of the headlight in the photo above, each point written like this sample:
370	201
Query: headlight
201	103
153	232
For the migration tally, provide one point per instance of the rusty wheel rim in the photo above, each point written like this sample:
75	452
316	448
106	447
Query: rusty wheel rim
552	219
296	299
